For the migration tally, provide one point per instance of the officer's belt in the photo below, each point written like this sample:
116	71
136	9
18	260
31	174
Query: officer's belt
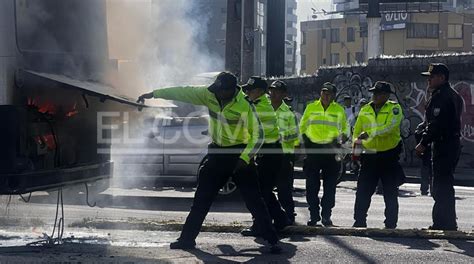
272	145
216	146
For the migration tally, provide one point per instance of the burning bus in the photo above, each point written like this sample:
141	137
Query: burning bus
60	63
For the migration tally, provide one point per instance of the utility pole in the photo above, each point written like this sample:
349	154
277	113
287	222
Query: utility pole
239	51
248	40
276	38
373	19
295	45
233	46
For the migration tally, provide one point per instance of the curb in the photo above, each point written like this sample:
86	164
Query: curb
288	231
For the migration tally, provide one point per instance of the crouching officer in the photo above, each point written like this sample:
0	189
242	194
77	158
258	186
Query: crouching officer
270	155
442	131
289	138
323	127
236	137
378	130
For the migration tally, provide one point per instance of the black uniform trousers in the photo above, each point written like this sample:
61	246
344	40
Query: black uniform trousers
214	174
386	167
268	167
445	158
285	182
317	166
426	172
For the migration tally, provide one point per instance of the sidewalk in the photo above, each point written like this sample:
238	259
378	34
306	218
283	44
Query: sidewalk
462	176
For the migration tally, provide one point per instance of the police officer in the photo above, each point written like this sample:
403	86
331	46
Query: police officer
378	130
289	138
323	127
270	155
442	131
236	138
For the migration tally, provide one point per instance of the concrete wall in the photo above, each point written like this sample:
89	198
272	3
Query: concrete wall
7	51
410	89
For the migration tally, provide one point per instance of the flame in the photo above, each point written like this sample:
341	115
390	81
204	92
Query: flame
50	108
73	111
45	108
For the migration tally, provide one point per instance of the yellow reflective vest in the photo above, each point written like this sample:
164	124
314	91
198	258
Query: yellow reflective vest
324	126
267	116
289	137
383	128
234	124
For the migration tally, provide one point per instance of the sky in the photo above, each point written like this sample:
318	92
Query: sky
304	11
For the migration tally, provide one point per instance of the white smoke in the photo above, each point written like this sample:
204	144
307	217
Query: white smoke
165	50
173	55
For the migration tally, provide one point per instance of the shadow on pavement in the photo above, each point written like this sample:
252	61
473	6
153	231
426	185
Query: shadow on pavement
361	256
417	244
298	239
65	253
256	255
466	246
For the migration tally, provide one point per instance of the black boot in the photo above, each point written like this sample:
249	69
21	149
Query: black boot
362	224
183	244
327	222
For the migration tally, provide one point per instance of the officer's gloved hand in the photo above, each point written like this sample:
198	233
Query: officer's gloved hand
363	136
141	98
344	138
240	166
420	150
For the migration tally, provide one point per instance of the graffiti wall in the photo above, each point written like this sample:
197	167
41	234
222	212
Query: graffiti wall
410	92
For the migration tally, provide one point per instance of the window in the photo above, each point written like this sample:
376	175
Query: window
289	37
303	38
455	32
289	51
324	61
350	34
323	33
334	58
359	57
289	24
421	52
364	31
303	62
261	15
348	58
422	30
290	10
335	35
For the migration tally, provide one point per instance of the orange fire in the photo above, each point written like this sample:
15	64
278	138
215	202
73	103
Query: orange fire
50	108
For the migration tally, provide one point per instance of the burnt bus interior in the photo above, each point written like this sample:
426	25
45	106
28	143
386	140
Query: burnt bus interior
49	134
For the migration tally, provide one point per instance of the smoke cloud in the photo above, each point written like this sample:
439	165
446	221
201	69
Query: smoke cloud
174	47
165	48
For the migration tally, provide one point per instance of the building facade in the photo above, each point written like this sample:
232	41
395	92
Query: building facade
332	42
344	40
290	37
211	18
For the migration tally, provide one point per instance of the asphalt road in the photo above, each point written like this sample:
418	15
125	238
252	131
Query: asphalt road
171	204
26	222
112	246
